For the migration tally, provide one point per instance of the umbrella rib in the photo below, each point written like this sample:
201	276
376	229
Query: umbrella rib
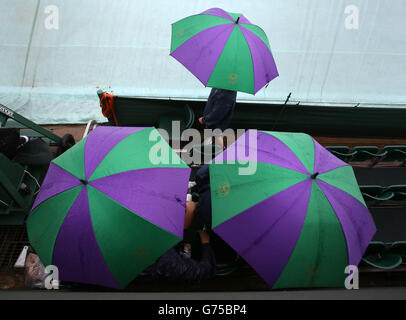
132	212
296	156
215	65
354	182
60	167
314	157
267	44
272	154
210	14
251	150
252	57
46	200
359	238
114	146
226	22
37	205
317	256
67	213
262	235
141	168
239	185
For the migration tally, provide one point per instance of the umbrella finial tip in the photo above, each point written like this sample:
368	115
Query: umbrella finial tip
314	175
85	182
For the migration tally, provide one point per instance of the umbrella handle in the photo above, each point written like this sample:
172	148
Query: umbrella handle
314	175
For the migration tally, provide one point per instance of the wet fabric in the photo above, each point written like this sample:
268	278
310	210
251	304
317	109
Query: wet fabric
175	267
219	108
103	219
224	50
300	209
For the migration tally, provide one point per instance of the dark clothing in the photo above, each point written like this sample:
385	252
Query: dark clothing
34	153
9	141
174	266
203	210
219	108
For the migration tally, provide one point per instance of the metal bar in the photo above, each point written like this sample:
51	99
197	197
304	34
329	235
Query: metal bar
29	124
3	120
89	124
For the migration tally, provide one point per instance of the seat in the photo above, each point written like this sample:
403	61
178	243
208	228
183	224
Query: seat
394	153
366	153
398	191
399	248
378	256
186	118
376	193
387	248
341	152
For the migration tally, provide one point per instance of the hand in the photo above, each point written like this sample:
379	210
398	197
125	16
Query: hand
204	237
201	120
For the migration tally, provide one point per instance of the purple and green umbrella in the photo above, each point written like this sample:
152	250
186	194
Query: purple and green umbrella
224	50
105	210
299	219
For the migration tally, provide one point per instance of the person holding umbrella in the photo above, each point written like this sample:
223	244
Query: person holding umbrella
302	215
105	211
202	212
219	110
175	266
198	214
226	52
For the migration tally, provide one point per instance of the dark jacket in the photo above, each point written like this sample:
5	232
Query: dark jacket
219	108
175	267
203	211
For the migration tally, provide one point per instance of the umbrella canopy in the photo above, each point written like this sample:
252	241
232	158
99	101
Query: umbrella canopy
300	219
105	212
224	50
